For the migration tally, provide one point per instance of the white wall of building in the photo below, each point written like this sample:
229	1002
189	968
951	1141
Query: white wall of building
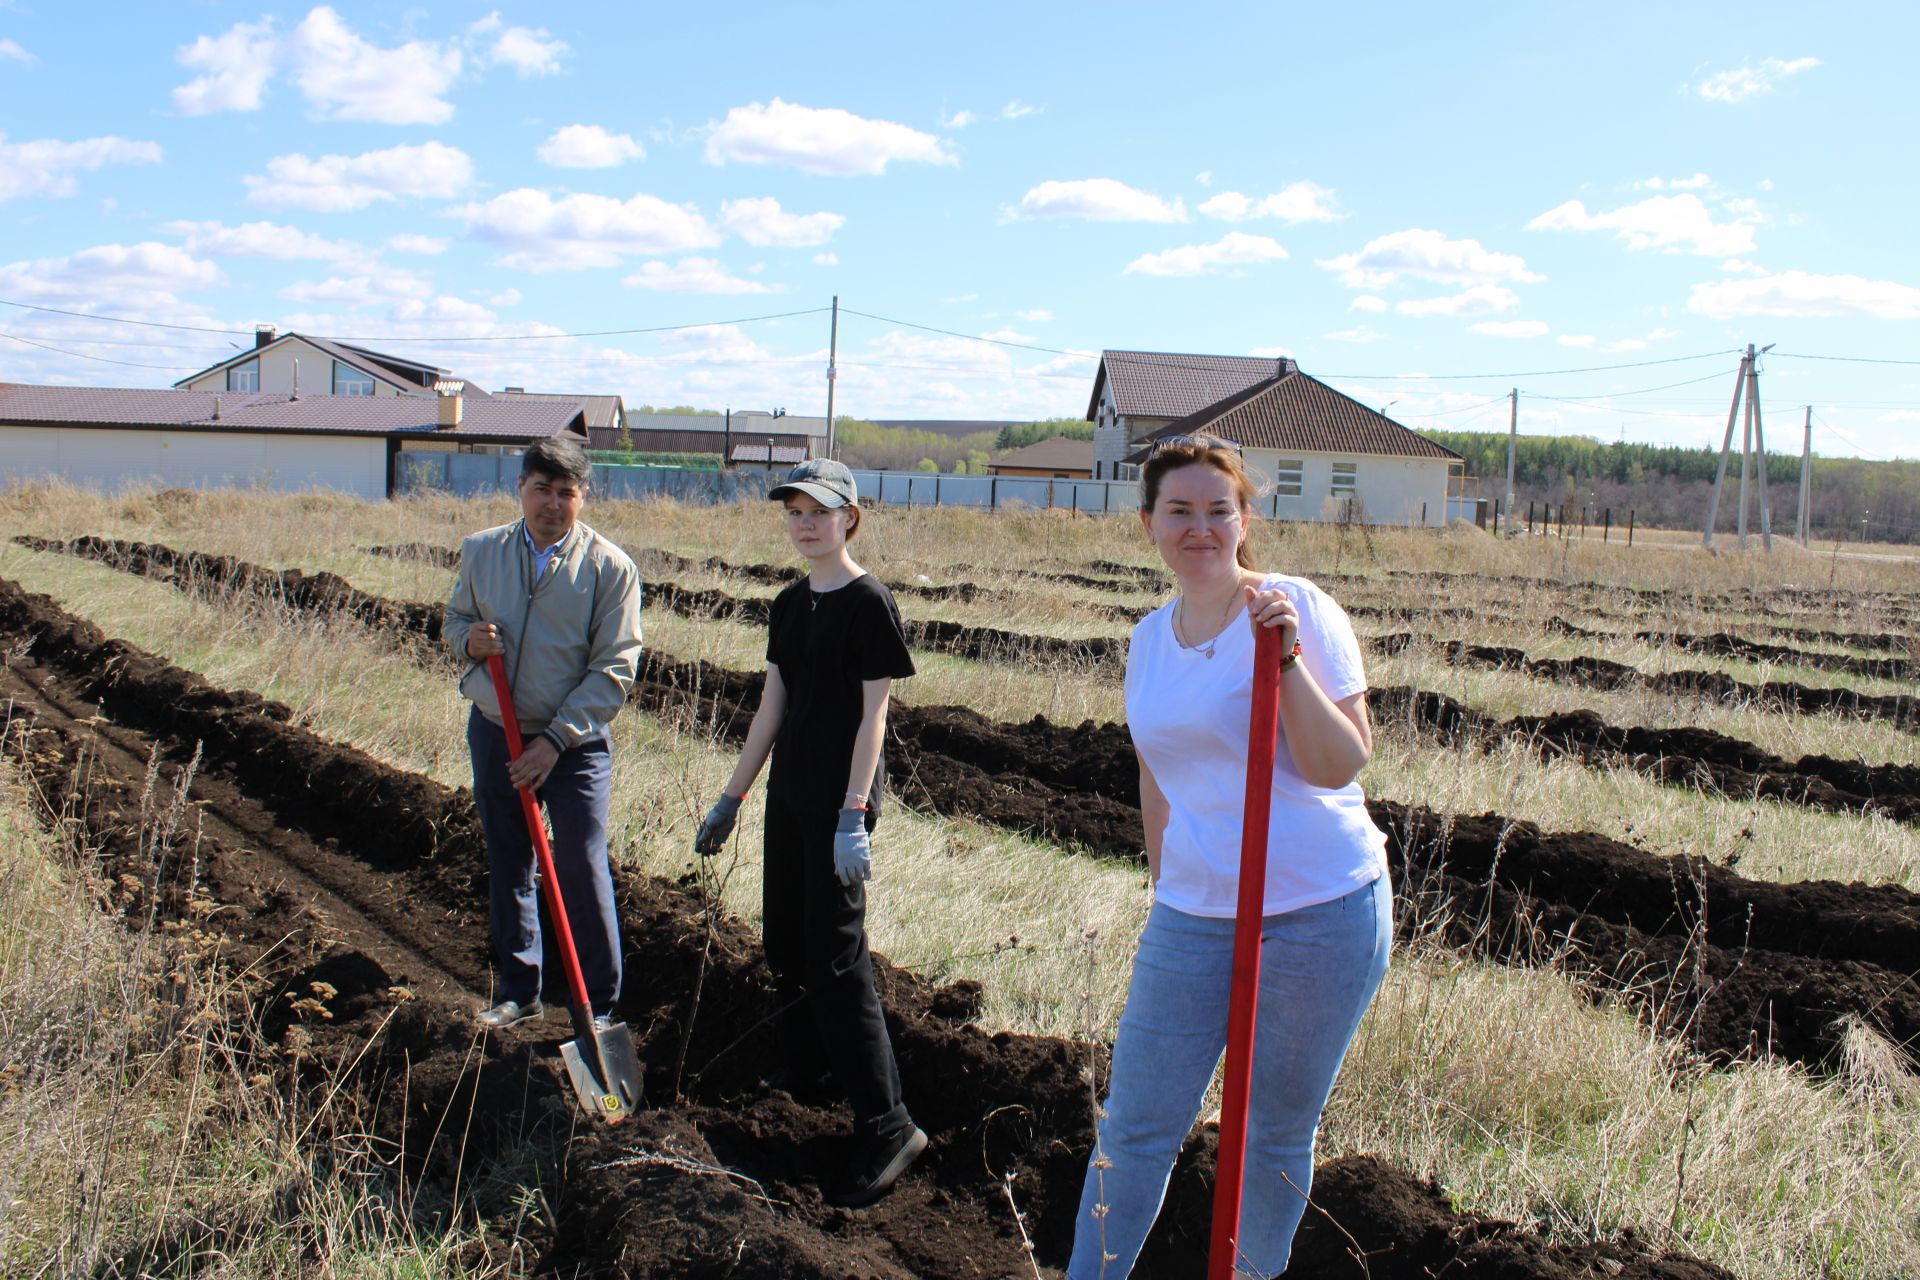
276	373
1390	490
113	460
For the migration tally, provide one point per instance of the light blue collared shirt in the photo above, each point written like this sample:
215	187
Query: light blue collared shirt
540	558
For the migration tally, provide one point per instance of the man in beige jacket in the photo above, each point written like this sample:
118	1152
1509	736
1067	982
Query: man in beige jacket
561	604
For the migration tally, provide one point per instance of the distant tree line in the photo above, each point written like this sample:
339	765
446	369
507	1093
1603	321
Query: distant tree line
868	445
1671	487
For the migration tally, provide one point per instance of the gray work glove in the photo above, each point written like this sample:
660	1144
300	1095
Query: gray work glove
852	853
716	826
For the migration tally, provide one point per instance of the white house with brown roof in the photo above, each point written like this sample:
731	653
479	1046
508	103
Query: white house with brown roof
1135	393
1326	455
1056	458
112	439
296	363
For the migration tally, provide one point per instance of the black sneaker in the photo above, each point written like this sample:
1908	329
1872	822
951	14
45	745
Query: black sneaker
877	1165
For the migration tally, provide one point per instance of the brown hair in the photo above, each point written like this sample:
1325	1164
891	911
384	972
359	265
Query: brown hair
1175	452
858	516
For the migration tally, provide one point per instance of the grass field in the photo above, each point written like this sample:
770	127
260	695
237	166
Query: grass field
1525	1098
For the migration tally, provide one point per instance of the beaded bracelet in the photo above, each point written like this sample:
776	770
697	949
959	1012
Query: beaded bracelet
1292	660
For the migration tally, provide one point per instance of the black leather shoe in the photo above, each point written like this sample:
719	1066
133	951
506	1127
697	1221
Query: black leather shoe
877	1165
508	1013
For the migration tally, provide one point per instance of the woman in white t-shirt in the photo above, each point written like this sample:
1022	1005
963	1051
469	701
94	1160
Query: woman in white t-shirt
1327	917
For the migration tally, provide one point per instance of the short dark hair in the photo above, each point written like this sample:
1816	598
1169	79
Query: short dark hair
556	459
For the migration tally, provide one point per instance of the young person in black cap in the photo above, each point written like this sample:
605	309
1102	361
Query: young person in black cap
834	647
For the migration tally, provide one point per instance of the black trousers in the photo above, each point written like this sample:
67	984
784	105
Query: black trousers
815	932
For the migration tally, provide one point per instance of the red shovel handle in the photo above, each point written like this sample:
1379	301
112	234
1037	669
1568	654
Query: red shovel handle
1243	1004
549	882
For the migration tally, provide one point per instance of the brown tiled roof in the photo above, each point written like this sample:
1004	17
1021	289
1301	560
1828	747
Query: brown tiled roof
1163	384
398	371
400	416
601	411
1298	413
1055	453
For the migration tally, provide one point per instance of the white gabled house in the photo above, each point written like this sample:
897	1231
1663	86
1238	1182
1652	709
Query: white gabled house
1326	455
294	363
1135	393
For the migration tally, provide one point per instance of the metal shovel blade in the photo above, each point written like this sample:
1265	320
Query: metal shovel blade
605	1072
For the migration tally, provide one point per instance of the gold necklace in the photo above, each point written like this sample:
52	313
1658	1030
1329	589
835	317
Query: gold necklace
1204	649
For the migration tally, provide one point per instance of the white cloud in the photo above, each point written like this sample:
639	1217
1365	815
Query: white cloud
961	297
260	240
958	120
826	259
1367	302
1741	267
1007	335
1581	340
1299	202
1511	328
46	167
530	51
1799	295
1359	333
385	286
505	298
148	273
347	78
541	233
1272	353
824	140
1480	300
588	146
1015	109
1745	82
1204	177
1900	415
1097	200
234	67
10	51
1427	255
408	243
1694	183
1661	335
336	184
693	275
1235	249
1036	315
1673	224
760	221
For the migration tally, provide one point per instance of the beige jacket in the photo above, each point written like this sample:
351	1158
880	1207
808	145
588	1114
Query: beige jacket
572	639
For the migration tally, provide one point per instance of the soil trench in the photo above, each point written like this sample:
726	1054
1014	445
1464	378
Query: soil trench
721	1176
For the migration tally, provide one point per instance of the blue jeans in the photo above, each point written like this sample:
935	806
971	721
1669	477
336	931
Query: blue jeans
576	795
1319	968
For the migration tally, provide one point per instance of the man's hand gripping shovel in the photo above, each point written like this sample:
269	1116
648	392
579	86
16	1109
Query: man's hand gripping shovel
600	1060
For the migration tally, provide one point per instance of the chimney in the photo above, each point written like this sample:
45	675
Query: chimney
216	408
450	410
515	391
295	393
262	335
1285	365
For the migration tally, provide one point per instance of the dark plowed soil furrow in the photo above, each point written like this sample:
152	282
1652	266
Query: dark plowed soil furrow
720	1179
1723	645
1083	791
1689	758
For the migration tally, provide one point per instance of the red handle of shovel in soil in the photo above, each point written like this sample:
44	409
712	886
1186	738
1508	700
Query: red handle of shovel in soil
543	852
1243	1004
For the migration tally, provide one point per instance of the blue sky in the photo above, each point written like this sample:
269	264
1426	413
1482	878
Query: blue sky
1395	195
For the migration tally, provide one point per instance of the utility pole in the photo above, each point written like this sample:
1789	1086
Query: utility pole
1720	476
1760	442
1746	455
1513	444
1806	478
833	352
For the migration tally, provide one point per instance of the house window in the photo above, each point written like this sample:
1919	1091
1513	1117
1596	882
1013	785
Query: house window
244	377
1287	474
349	381
1345	474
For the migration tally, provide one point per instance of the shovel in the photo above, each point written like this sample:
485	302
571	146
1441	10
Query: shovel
601	1062
1243	1002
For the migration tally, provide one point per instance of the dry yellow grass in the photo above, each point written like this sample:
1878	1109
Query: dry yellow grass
1525	1099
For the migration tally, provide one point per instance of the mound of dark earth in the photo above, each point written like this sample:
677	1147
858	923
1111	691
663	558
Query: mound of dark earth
351	896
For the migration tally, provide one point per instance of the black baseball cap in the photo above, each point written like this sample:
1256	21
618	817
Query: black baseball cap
827	482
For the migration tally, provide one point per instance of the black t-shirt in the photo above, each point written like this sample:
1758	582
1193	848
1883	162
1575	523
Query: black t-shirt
825	644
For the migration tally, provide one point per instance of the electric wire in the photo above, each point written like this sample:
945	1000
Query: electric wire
81	355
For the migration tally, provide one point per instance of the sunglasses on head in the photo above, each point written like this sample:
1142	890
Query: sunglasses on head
1193	442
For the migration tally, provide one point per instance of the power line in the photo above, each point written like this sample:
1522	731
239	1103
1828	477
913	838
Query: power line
81	355
1798	355
1611	395
503	337
1530	373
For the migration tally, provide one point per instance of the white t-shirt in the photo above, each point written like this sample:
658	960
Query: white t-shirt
1189	716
